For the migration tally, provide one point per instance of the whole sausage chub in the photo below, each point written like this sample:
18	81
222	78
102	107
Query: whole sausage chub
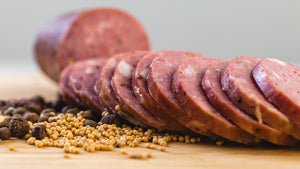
100	32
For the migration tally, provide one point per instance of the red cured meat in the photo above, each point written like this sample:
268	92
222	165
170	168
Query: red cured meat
121	82
87	93
105	90
191	97
160	87
140	88
211	84
280	83
100	32
238	83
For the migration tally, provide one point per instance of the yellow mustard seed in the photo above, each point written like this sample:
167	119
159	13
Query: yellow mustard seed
133	155
153	146
12	148
219	143
149	155
163	143
162	149
91	148
72	150
117	107
193	140
67	156
181	139
66	149
39	144
124	151
104	147
110	147
147	145
31	140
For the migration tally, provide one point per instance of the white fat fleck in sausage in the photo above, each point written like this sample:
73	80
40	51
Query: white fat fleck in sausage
125	69
103	26
89	70
190	70
144	73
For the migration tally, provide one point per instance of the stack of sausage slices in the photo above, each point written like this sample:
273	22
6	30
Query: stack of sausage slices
245	100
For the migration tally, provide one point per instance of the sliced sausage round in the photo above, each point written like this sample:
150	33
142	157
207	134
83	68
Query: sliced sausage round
211	84
160	87
76	76
105	90
87	93
238	83
100	32
67	94
121	82
140	88
192	99
280	83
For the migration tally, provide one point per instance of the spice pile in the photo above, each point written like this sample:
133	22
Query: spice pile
54	124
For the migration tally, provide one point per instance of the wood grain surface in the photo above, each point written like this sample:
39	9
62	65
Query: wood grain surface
178	155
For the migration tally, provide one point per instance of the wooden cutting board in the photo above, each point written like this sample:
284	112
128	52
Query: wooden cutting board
178	155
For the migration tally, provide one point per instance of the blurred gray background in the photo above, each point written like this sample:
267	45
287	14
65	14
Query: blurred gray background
216	28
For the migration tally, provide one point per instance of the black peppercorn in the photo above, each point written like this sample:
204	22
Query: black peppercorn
5	122
39	132
73	111
4	133
118	145
18	127
33	107
150	139
91	123
33	117
110	119
48	112
43	118
38	99
89	115
19	110
9	111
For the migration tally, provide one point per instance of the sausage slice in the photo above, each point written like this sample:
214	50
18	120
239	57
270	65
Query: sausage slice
121	82
106	92
140	88
238	83
191	97
211	84
87	93
160	87
280	83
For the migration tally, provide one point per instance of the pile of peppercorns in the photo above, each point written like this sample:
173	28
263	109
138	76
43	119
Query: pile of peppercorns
20	113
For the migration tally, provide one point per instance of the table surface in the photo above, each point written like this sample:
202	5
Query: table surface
178	155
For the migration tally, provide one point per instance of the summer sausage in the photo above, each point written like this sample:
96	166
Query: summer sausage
105	90
87	93
67	94
280	83
160	87
76	77
211	83
239	85
121	82
189	93
100	32
140	88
